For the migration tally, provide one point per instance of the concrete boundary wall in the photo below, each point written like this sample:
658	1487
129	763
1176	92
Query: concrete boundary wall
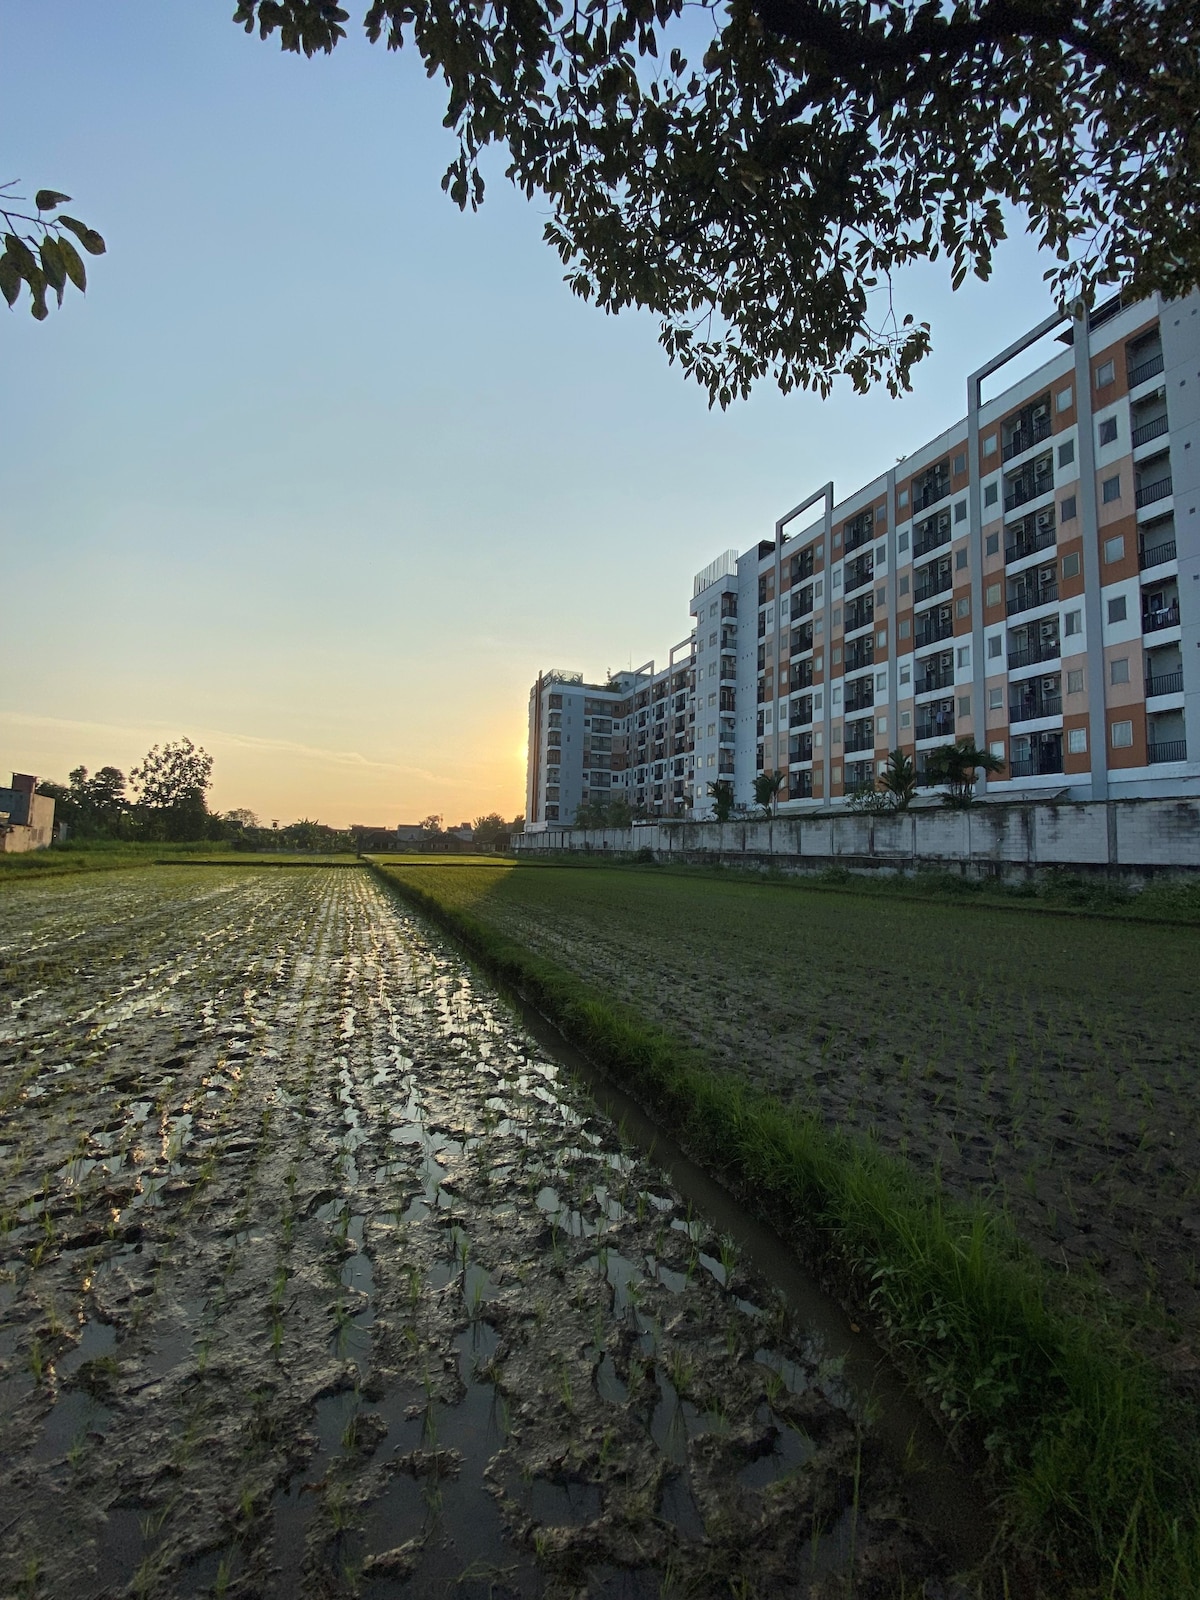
1122	837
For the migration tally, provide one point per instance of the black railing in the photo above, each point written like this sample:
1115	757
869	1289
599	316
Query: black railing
801	749
941	678
931	536
859	775
801	567
860	736
801	640
1165	683
1026	599
859	571
1027	436
1156	554
859	612
932	628
728	672
860	694
801	712
1028	489
936	721
1150	368
800	786
1036	766
931	583
1025	708
802	603
859	654
801	675
728	700
1028	655
859	532
1028	544
1160	617
931	491
1148	493
1150	430
1167	750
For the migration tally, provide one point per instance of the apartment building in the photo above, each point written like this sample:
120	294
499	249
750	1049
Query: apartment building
1030	578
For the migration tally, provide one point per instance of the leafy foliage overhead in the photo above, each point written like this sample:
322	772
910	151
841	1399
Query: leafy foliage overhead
39	253
754	171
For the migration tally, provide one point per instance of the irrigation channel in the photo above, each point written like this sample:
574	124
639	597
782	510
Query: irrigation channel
325	1271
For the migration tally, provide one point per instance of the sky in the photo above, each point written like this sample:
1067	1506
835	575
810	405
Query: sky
321	472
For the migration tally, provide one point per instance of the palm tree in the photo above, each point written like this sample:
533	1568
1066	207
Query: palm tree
721	794
898	780
957	765
766	789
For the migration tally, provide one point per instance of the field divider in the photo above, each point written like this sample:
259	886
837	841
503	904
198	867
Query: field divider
1094	1464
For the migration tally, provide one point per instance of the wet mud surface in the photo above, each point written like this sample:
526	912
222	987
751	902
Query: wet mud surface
1041	1064
318	1276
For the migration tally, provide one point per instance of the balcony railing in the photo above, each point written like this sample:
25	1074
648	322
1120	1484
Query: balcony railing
1039	766
859	571
1150	430
802	603
1028	544
859	775
1026	599
936	721
927	538
728	672
1028	655
932	490
801	749
1027	436
859	653
1161	617
933	627
1028	489
728	700
1023	708
1165	683
859	612
860	736
859	532
941	678
1150	368
801	675
931	583
1167	750
1150	492
860	694
800	786
1157	554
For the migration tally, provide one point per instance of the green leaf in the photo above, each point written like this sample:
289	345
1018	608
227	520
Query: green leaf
49	199
88	237
23	256
72	263
52	265
10	279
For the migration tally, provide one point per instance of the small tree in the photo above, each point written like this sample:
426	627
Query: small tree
171	785
899	780
489	830
721	794
431	827
957	766
766	791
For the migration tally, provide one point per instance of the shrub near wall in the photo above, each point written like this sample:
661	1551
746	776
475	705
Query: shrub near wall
1098	1474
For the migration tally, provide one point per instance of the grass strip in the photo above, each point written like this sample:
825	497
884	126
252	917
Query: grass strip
1095	1465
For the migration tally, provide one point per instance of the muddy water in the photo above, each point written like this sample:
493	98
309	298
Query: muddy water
321	1274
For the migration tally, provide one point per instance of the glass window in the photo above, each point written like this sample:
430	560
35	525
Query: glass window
1075	680
997	749
989	494
964	655
1070	565
992	595
881	680
904	630
995	699
964	705
1105	374
1074	622
1111	489
1108	430
904	584
989	445
902	498
1067	509
1114	549
1064	399
1118	670
960	559
1121	735
960	511
881	639
1066	453
1117	608
960	465
994	646
906	719
992	545
902	542
962	607
905	674
1077	741
880	724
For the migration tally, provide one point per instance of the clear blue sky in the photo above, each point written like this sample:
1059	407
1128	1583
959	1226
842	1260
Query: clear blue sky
321	472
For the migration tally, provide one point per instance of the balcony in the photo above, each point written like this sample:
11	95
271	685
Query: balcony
728	638
800	786
1025	437
728	673
1164	683
1150	430
801	748
1155	555
931	534
1149	367
728	606
725	765
801	567
1167	750
728	700
1155	618
939	673
936	721
858	612
934	626
801	675
801	712
859	531
1033	480
1148	493
860	694
859	653
859	571
802	603
1031	700
1028	537
801	640
931	487
859	775
859	736
1040	591
935	579
1028	652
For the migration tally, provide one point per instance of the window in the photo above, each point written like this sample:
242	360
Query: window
992	595
711	760
964	655
837	654
960	465
995	699
1073	622
837	734
960	511
1066	453
1117	608
906	719
712	699
904	630
712	669
1108	430
1118	670
1111	489
997	749
1121	735
1114	549
902	542
1105	373
989	494
881	680
989	445
1064	399
902	498
964	705
712	730
881	639
960	559
962	608
880	724
1075	680
992	544
1067	509
905	674
837	616
1070	565
712	639
712	610
1077	741
880	554
904	584
995	646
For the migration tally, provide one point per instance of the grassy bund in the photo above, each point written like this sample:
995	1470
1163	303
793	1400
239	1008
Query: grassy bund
980	1124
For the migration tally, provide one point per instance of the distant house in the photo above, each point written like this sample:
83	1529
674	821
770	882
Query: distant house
409	836
372	839
26	817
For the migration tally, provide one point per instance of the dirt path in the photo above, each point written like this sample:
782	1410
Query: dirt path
318	1278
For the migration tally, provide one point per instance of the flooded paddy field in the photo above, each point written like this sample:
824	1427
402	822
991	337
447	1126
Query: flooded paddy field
320	1275
1041	1063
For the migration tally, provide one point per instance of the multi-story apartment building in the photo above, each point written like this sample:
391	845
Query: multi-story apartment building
1030	579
